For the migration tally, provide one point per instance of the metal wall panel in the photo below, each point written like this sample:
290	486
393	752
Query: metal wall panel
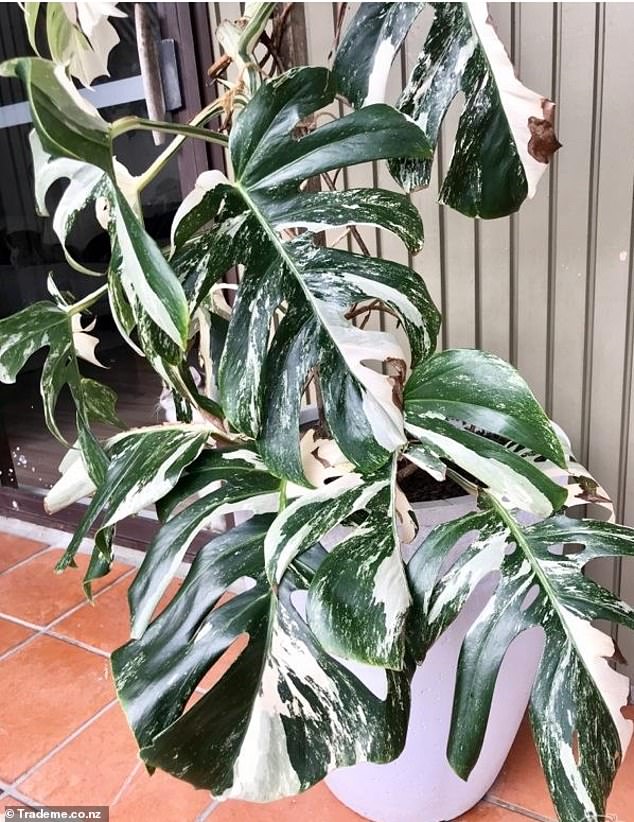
550	289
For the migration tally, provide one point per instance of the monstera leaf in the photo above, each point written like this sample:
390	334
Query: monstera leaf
576	699
313	288
141	466
283	714
368	47
461	389
52	326
77	144
359	599
505	135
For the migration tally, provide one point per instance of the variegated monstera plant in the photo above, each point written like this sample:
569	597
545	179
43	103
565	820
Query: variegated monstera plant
287	711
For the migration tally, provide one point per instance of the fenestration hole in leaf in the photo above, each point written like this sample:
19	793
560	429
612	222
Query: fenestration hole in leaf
569	549
510	549
531	596
218	669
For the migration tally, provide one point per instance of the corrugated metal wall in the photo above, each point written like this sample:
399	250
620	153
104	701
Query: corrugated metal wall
550	289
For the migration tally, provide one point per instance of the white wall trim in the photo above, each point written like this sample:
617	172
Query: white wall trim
114	93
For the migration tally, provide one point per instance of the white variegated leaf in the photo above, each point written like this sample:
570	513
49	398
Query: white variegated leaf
295	711
73	485
577	698
145	464
505	135
368	47
81	37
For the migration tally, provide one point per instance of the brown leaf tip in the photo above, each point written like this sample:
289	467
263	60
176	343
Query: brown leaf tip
543	143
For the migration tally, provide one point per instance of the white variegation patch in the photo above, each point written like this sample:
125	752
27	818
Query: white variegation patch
595	649
322	459
84	342
406	523
391	591
377	80
83	180
73	485
246	456
518	101
356	346
89	38
510	488
263	770
205	183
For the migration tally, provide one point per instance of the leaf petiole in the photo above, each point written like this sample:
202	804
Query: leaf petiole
87	301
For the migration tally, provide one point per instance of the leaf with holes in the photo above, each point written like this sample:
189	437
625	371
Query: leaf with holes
282	715
46	325
80	39
505	136
260	383
577	698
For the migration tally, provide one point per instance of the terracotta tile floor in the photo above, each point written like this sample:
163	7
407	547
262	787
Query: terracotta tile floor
69	741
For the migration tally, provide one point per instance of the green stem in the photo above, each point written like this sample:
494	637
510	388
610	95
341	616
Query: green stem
125	124
283	499
152	171
87	301
248	40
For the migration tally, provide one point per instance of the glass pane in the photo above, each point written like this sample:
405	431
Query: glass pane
29	251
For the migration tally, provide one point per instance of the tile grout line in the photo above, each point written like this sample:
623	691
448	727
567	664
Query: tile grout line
125	784
57	748
519	809
45	630
77	643
24	560
18	796
207	812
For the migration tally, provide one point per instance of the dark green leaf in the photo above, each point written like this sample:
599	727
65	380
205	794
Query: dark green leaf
505	136
576	700
482	390
368	47
268	728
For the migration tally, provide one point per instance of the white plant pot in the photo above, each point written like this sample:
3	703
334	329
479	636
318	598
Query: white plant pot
420	786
